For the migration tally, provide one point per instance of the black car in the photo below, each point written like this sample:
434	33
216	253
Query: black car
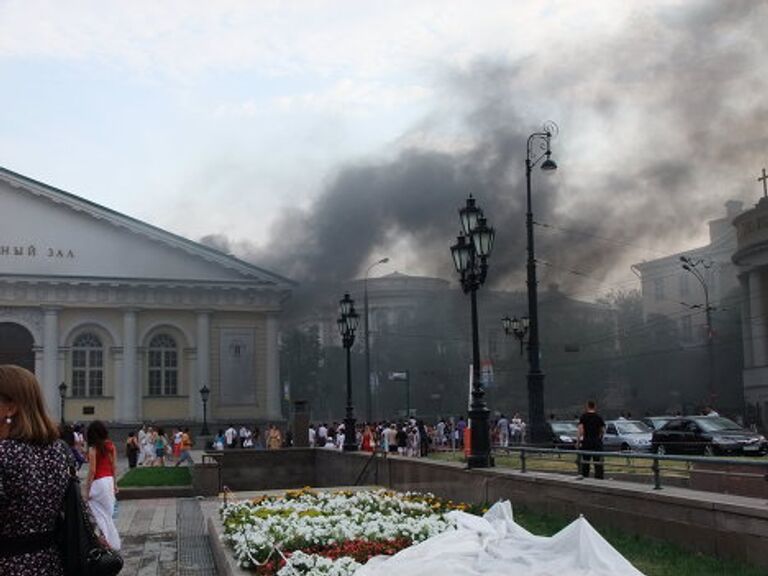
563	433
656	422
707	435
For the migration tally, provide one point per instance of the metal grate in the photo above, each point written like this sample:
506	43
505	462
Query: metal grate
195	557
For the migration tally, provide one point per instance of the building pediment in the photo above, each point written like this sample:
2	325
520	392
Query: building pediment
46	232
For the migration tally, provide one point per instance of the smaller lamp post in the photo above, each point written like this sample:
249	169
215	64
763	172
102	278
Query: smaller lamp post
205	392
518	327
63	396
695	266
348	322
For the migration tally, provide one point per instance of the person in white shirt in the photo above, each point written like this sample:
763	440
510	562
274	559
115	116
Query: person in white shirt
230	435
312	435
440	430
503	427
322	435
243	434
142	438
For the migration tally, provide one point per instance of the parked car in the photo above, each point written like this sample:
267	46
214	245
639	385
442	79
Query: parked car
564	434
708	435
627	435
656	422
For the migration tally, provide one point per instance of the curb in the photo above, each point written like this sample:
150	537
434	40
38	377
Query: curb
224	561
153	492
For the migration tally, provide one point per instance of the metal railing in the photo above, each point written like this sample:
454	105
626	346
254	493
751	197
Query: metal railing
525	452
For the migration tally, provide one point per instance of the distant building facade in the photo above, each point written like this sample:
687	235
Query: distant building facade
671	291
701	363
133	319
751	257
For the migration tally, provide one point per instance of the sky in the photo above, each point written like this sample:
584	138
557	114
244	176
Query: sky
314	137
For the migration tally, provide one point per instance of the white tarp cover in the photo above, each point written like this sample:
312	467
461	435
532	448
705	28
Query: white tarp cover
495	545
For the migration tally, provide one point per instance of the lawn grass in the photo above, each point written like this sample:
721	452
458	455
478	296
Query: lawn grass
651	557
155	476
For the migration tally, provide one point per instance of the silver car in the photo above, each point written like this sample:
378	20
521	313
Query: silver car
627	435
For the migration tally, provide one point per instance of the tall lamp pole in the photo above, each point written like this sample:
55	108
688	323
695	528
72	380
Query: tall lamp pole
205	392
348	322
63	397
537	149
692	265
369	384
470	256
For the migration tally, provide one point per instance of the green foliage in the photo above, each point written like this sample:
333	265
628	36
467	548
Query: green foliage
155	476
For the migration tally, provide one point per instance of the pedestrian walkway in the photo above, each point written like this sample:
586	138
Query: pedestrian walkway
164	537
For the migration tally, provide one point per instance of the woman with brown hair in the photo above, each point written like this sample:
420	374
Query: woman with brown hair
34	474
100	485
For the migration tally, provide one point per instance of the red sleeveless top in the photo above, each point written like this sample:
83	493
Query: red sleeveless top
104	461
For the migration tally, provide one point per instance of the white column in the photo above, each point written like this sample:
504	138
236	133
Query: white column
51	360
757	319
274	390
129	394
202	366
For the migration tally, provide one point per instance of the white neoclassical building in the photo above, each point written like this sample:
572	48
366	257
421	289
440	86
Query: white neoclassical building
751	257
133	319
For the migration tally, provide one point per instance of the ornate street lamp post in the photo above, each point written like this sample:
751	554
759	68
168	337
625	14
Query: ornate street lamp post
470	256
518	327
205	392
368	384
693	265
348	322
539	140
63	397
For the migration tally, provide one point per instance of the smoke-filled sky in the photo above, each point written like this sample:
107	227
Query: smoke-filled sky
314	137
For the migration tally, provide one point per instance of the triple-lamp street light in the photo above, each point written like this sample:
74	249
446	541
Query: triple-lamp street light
470	256
695	266
537	149
205	392
517	327
63	397
348	322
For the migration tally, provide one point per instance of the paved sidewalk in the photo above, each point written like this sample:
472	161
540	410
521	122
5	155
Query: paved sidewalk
164	537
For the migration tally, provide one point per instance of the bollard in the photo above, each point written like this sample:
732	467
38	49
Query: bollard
656	474
522	461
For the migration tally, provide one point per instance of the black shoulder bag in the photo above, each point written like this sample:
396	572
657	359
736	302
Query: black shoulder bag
81	551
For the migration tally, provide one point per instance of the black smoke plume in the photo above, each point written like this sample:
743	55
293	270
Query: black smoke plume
660	125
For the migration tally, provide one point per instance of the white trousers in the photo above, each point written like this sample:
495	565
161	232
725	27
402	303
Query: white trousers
101	501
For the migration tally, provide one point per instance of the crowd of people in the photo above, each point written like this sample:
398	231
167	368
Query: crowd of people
151	446
413	437
251	438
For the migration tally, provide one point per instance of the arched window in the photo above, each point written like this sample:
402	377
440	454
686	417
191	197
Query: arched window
163	366
87	365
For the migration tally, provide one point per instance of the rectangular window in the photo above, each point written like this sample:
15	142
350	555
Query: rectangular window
658	288
155	386
155	359
171	380
78	359
78	382
96	383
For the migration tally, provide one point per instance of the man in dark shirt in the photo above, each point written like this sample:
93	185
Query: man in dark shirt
591	431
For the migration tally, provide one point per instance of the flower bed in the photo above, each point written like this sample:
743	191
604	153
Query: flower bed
307	533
